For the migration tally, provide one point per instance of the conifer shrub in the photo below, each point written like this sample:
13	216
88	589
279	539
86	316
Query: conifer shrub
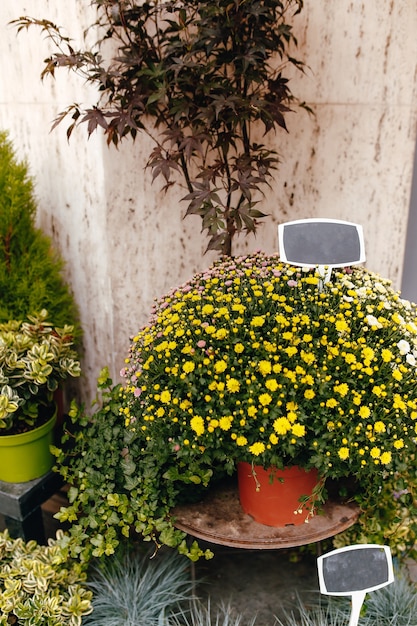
31	276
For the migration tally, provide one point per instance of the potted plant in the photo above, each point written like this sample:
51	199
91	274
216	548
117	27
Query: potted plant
205	81
35	358
39	586
252	361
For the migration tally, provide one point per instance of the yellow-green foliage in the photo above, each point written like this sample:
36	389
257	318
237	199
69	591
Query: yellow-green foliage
39	586
30	270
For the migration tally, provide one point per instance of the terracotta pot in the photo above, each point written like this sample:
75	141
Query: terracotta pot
272	497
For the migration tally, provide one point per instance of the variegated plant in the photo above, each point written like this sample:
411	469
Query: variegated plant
35	358
39	586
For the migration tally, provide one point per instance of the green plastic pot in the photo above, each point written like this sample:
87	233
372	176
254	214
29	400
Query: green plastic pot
27	456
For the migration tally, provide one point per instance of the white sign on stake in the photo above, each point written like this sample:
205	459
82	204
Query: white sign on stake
353	571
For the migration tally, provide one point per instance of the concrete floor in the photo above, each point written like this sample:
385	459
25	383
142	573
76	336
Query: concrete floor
261	582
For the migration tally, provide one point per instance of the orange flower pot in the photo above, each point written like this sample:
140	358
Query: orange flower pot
272	497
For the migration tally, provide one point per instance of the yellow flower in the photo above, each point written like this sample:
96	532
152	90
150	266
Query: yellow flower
257	448
197	424
341	325
271	384
221	333
343	453
273	439
399	402
375	453
292	376
387	355
282	425
264	367
386	458
364	412
220	366
331	403
281	320
368	354
239	347
308	357
309	394
233	385
291	406
398	444
396	374
298	430
165	397
379	427
207	309
341	389
225	423
307	379
350	358
258	320
265	399
188	367
241	441
291	350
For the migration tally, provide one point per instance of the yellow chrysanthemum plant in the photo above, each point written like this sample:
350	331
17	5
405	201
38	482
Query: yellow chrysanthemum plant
254	360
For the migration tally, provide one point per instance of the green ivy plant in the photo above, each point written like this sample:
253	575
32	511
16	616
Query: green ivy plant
388	516
115	493
205	80
39	586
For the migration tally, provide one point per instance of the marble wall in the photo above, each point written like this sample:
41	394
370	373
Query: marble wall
126	243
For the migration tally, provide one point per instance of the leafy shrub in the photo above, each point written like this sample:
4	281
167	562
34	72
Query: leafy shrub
39	586
114	491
